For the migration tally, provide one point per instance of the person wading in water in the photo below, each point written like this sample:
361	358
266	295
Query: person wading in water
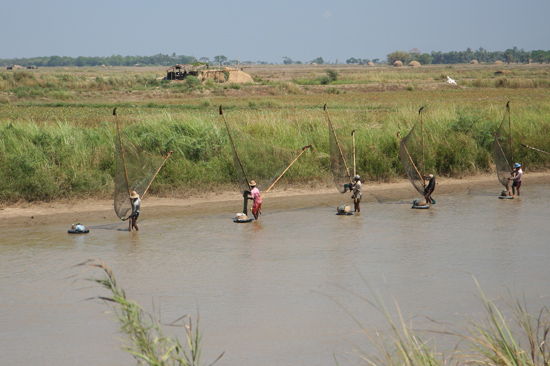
357	189
136	201
429	189
516	178
257	198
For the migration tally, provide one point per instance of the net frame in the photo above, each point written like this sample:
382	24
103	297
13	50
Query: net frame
411	151
340	154
503	148
135	170
265	163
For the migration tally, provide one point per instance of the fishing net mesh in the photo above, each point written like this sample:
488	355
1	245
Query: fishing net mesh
135	170
410	151
503	150
341	157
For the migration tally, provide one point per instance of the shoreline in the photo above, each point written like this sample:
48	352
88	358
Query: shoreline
89	210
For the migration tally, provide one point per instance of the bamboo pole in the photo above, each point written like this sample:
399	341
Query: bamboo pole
158	170
122	151
534	148
234	149
410	158
337	143
422	138
288	167
510	130
353	144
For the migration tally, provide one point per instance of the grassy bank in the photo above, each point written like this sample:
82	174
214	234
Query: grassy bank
54	148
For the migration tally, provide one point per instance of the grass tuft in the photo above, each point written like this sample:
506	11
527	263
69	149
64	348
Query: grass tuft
145	338
508	335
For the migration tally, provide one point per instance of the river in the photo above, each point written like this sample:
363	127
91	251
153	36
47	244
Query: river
277	291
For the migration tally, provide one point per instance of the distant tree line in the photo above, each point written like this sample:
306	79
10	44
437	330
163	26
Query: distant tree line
511	55
115	60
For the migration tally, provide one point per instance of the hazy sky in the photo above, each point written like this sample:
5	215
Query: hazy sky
248	30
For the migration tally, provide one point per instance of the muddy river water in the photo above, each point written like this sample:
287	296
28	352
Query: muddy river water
276	291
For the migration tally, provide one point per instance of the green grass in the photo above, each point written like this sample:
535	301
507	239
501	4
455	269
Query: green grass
66	151
57	130
144	335
507	334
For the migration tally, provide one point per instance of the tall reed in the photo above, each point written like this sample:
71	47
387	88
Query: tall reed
507	335
145	338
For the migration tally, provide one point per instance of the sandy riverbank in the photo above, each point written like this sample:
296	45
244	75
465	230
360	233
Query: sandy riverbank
89	210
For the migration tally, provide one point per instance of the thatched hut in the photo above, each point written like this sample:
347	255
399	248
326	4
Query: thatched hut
414	64
474	62
398	64
498	62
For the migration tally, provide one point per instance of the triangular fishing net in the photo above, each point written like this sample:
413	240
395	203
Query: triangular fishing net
341	157
410	150
135	171
503	149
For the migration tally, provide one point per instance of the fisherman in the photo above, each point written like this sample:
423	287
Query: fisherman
516	175
256	197
429	189
357	189
136	201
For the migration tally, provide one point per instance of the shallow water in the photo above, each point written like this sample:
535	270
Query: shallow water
274	291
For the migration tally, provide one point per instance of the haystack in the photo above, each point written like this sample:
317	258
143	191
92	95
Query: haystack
238	76
228	74
498	62
314	64
474	62
414	64
370	64
398	63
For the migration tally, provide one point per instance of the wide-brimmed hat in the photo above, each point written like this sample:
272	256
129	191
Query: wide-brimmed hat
252	183
430	175
517	165
134	195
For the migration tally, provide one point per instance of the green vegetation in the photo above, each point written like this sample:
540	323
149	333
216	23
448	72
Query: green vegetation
507	335
145	338
57	130
511	55
115	60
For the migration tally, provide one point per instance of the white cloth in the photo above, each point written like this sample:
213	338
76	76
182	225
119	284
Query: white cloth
358	187
517	177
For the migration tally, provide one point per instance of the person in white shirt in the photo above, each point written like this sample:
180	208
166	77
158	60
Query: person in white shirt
136	201
516	178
